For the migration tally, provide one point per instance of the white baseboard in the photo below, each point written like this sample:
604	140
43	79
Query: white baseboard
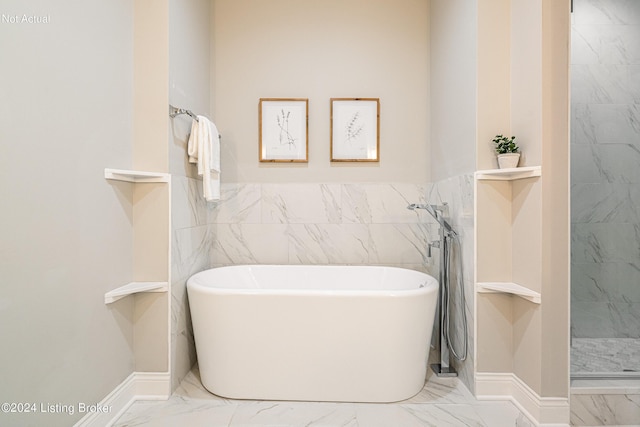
137	386
544	411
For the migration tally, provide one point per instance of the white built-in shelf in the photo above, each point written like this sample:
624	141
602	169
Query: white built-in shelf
509	288
135	176
510	174
134	288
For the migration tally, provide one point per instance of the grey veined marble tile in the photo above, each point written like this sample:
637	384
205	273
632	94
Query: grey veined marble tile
618	409
605	355
382	203
611	12
605	282
450	405
301	204
191	249
249	244
441	390
454	415
605	242
265	413
400	243
600	84
605	44
606	163
611	121
605	203
605	320
239	203
188	207
328	244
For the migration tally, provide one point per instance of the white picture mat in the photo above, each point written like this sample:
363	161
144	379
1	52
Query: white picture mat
284	130
355	130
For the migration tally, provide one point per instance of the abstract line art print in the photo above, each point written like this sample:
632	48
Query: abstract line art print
355	127
283	129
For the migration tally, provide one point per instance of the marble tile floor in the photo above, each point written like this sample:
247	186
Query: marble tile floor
599	402
605	355
442	402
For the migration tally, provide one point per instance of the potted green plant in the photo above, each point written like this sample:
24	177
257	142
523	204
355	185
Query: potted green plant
507	150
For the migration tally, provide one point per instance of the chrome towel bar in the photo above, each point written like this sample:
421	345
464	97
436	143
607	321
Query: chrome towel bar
174	111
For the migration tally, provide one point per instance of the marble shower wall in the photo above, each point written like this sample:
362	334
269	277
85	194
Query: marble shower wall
321	224
605	172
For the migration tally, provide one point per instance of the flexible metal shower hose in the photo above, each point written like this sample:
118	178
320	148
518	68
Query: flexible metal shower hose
446	291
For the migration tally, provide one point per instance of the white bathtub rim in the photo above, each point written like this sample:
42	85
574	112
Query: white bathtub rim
430	284
318	293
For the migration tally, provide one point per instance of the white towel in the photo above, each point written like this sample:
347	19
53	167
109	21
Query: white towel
204	150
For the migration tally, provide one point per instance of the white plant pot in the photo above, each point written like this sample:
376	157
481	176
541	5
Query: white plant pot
508	160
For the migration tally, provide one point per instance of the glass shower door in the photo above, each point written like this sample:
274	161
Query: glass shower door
605	189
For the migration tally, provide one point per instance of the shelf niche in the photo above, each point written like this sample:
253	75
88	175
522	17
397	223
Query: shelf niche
150	204
135	176
508	222
509	288
508	259
510	174
134	288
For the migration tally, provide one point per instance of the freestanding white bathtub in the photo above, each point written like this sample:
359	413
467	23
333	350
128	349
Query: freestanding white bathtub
313	333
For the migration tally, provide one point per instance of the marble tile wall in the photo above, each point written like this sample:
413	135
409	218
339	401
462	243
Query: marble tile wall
605	172
321	224
457	192
190	253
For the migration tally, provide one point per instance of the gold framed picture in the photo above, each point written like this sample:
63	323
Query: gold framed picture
355	129
283	129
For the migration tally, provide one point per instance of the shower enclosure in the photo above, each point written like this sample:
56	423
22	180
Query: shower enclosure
605	189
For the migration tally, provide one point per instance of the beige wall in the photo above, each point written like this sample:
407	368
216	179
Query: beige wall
526	79
555	201
151	214
319	50
66	114
151	73
453	85
539	92
494	75
539	114
189	74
